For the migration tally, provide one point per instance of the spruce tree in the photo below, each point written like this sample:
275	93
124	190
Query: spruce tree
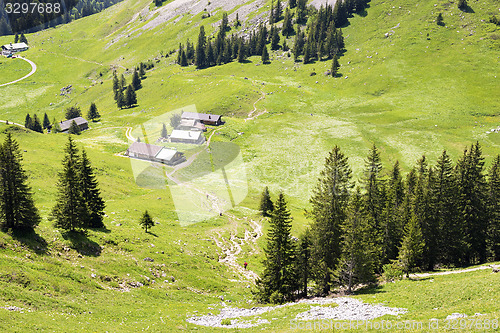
73	112
210	57
142	70
357	261
23	38
175	120
184	60
56	128
91	193
74	128
241	51
179	53
472	189
278	11
331	40
146	221
302	11
420	195
439	20
278	282
116	85
200	49
136	81
123	82
120	99
493	232
304	262
266	204
275	39
412	247
307	53
37	125
374	197
70	212
93	114
190	52
271	13
265	55
17	207
392	217
130	97
335	66
224	26
444	208
46	121
287	24
329	202
164	133
28	122
237	22
298	45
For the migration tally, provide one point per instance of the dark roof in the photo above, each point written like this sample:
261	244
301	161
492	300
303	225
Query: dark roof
65	125
201	116
16	46
144	149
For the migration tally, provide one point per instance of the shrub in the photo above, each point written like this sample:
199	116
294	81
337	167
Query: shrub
276	298
392	271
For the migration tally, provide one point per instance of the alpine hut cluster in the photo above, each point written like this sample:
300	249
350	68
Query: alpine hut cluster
189	131
10	49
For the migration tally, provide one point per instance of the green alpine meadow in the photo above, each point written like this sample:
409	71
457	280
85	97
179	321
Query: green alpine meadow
249	166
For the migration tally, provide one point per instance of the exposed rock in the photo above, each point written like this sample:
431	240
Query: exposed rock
456	315
347	309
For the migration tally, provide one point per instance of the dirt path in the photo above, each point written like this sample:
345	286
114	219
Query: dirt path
85	60
189	161
11	123
465	270
33	70
128	134
232	247
251	115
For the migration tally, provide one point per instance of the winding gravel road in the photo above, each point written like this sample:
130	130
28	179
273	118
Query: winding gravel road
33	70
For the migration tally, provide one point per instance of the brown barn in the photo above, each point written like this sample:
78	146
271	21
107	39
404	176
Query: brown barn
207	119
80	122
144	151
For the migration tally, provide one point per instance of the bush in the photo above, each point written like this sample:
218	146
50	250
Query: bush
276	298
392	271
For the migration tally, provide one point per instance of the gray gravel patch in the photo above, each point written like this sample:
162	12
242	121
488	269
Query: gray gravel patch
347	309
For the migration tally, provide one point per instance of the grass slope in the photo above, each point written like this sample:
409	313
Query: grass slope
408	93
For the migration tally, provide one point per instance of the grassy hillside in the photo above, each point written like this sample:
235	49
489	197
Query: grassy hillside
422	89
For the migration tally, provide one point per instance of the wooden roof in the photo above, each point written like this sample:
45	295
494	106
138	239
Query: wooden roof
201	116
65	125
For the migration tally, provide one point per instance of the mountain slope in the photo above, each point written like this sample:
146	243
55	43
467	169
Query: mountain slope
408	92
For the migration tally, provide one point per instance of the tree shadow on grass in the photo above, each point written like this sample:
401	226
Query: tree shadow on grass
370	290
31	239
363	13
152	234
82	244
103	229
468	9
